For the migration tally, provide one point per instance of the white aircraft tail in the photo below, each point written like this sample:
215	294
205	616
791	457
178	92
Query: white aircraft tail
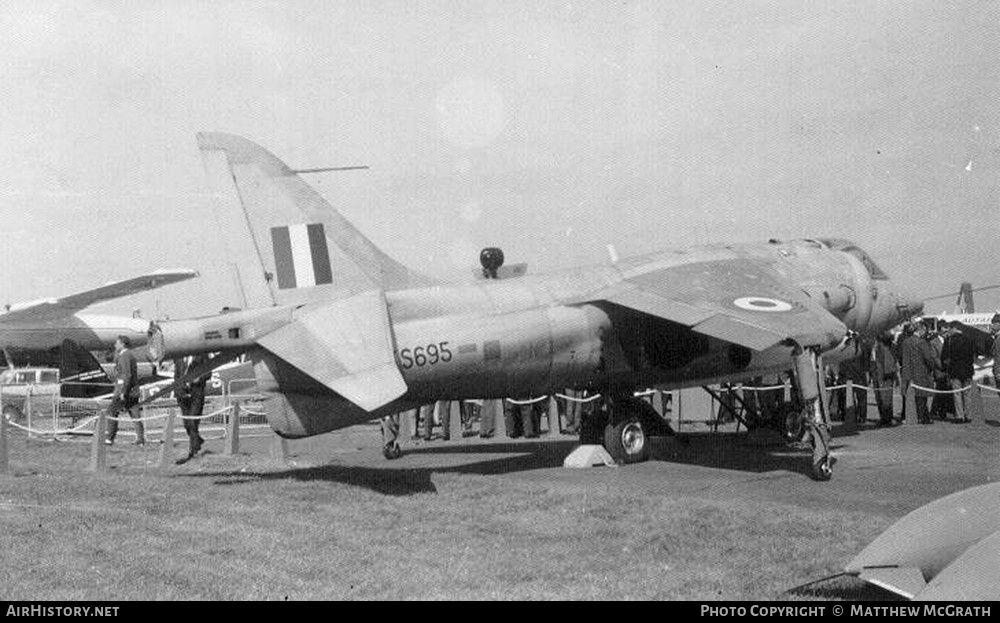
299	248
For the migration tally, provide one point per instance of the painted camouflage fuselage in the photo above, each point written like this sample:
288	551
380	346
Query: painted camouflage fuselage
542	333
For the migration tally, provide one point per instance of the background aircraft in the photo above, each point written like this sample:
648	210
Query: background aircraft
30	329
339	333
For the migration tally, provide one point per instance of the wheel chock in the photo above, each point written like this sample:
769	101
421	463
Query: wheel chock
589	456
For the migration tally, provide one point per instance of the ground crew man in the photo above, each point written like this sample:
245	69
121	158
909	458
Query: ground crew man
126	394
883	371
919	361
958	357
190	398
443	408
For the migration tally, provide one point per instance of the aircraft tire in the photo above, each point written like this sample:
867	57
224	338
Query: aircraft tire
821	470
627	441
12	413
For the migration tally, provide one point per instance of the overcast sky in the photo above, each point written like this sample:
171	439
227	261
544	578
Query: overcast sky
549	129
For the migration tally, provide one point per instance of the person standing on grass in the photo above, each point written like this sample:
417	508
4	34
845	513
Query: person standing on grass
190	398
126	394
883	372
958	358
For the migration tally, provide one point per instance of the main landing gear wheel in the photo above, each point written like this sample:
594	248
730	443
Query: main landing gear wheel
392	451
627	441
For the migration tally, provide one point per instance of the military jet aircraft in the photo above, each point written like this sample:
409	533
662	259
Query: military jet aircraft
340	333
44	324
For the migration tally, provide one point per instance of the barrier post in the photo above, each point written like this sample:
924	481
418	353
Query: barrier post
911	404
279	449
554	425
679	405
27	410
974	405
455	429
411	422
233	431
865	405
167	448
850	407
98	450
4	460
500	418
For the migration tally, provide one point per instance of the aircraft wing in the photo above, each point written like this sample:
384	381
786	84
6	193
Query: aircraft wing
737	300
51	309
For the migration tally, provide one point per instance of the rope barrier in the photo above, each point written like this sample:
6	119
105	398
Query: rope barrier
205	417
995	390
529	401
757	388
941	391
147	418
61	431
582	400
844	386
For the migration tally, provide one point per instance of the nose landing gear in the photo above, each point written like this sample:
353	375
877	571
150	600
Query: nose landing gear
807	370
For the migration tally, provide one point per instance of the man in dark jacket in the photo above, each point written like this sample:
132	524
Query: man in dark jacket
126	395
919	361
191	399
883	371
957	358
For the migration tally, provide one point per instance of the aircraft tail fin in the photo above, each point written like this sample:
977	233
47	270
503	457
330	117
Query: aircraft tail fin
291	246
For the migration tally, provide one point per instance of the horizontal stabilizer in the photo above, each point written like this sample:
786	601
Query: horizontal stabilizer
347	346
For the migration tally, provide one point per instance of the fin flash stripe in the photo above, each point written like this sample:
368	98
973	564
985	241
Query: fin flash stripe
301	256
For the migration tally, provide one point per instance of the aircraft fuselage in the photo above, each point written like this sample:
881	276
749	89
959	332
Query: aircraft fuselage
520	338
89	331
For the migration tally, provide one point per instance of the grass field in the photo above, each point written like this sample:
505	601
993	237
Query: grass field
459	522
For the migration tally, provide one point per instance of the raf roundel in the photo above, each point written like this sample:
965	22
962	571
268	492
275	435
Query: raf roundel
760	303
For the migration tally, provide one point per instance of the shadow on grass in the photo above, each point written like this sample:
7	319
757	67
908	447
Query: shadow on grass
714	450
386	481
739	452
395	480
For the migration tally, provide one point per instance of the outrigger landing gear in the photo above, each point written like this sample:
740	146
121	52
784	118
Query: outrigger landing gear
623	424
806	369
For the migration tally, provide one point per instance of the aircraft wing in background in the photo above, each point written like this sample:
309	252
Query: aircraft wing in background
736	300
51	309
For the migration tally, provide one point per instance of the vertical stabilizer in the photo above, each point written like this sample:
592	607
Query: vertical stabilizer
290	245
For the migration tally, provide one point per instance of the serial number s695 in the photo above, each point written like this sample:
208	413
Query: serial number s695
424	355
